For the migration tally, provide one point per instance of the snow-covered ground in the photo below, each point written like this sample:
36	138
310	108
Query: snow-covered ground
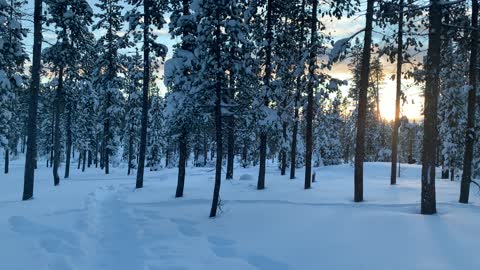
93	221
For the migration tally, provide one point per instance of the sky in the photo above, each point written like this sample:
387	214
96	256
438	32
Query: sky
339	29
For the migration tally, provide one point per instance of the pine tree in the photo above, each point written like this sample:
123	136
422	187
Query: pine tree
133	106
71	20
472	96
108	65
12	59
179	76
152	16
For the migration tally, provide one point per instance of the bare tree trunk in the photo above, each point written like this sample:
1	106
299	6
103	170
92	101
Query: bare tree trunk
231	129
146	83
56	141
52	137
432	87
106	140
309	129
362	104
293	150
130	152
96	152
283	153
84	160
7	159
31	156
182	162
205	148
218	119
167	154
470	132
69	144
396	125
267	78
230	146
79	160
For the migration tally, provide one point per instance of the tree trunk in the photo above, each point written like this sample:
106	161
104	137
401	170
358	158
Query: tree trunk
267	78
362	104
167	154
79	160
283	152
309	129
84	160
218	119
31	156
130	152
96	152
52	137
231	129
7	160
69	144
470	132
106	140
56	141
445	173
396	125
293	150
432	86
230	146
146	83
182	162
89	160
205	148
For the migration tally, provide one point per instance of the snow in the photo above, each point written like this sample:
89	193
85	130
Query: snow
96	221
338	47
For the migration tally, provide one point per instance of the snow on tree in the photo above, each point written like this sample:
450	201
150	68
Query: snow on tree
12	59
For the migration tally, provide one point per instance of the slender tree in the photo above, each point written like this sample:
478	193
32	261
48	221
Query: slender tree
31	155
472	93
362	104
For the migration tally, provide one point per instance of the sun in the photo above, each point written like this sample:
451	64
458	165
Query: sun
411	108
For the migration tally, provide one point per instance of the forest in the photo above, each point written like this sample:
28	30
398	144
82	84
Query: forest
355	104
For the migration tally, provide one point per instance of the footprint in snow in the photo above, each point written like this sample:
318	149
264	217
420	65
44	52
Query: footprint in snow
222	247
52	240
186	228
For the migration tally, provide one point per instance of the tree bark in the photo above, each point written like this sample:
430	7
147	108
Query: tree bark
56	141
130	152
182	162
31	155
84	160
396	125
283	153
293	150
146	83
267	78
309	129
79	160
231	127
470	132
69	144
432	88
218	119
362	105
7	159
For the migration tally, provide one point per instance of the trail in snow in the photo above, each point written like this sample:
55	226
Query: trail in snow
96	223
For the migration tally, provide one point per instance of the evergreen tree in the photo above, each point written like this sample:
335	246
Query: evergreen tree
12	59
